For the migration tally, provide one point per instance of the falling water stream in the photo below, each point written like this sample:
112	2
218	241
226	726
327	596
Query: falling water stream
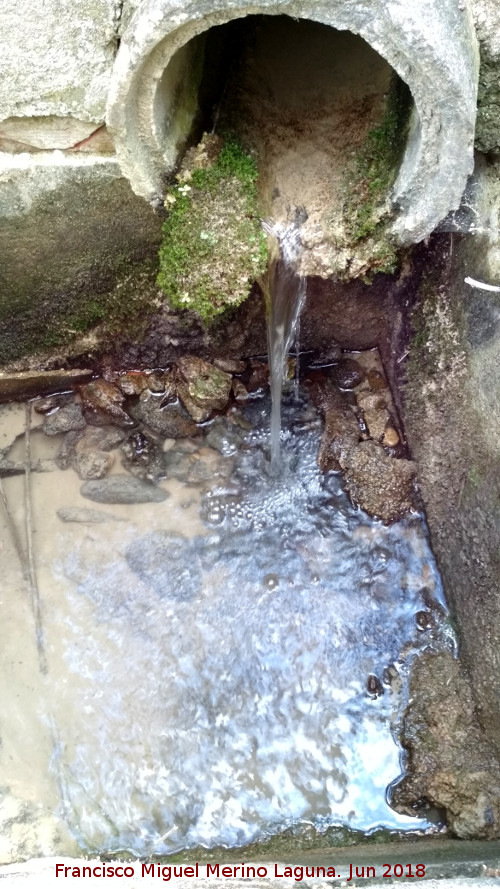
287	294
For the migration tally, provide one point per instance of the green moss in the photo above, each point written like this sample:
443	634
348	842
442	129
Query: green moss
487	137
213	247
120	308
368	180
377	164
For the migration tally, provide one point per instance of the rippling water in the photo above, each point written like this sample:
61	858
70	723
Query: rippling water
208	658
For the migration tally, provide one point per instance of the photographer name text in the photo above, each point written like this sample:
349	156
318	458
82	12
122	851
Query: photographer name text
215	870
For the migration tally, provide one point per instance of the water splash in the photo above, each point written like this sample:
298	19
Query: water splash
286	298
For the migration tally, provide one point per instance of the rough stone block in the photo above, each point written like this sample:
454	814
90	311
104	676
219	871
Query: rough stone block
57	57
70	226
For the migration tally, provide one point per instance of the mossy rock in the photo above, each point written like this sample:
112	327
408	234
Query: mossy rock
213	246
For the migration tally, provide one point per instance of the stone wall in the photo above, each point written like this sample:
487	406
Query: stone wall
487	20
57	62
451	406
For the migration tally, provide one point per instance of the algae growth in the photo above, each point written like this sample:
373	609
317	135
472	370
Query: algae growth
367	212
213	246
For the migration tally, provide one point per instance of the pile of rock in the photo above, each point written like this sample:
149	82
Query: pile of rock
135	412
360	439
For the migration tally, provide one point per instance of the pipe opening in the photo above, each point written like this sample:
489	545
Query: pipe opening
324	114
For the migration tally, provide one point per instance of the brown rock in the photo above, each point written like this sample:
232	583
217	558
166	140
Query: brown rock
449	762
391	437
239	390
376	421
369	401
132	383
376	380
105	400
169	421
379	484
169	389
374	686
341	433
156	383
202	387
230	366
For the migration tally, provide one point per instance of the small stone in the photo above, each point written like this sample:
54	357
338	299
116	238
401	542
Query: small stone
271	581
170	421
132	383
122	489
226	440
169	390
67	449
103	438
230	366
67	419
156	384
424	620
390	675
347	374
379	484
239	391
205	465
369	401
95	417
81	514
144	457
374	686
91	439
376	380
391	437
91	464
202	387
376	421
104	398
